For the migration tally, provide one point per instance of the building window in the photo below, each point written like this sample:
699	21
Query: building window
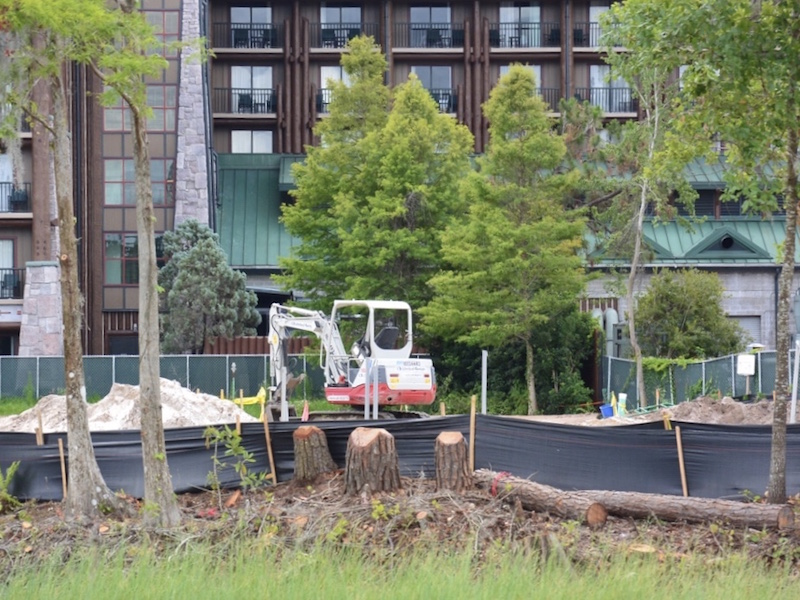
251	89
251	142
535	69
250	26
251	15
120	181
327	75
162	99
519	24
610	94
117	117
437	80
430	26
596	9
167	26
338	14
429	15
122	258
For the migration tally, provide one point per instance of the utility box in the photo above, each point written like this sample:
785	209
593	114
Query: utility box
622	344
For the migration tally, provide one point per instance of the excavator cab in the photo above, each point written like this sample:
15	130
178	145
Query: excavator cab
374	328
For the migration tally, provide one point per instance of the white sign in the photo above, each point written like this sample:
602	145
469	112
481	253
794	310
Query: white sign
746	365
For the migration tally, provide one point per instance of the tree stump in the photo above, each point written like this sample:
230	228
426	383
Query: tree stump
311	454
452	462
371	464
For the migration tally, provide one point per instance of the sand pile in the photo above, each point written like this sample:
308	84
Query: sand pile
726	411
119	410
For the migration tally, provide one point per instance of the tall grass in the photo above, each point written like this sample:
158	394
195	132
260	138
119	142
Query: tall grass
260	570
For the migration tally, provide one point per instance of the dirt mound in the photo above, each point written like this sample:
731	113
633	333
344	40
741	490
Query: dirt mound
726	411
119	410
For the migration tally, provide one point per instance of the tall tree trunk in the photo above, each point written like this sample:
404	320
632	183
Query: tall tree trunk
776	489
87	493
630	299
652	118
533	405
161	507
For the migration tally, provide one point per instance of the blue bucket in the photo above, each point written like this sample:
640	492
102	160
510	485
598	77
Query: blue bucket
606	410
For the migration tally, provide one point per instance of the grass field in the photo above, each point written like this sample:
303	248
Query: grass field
257	569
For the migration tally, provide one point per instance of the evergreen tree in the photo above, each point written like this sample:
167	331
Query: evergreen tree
203	296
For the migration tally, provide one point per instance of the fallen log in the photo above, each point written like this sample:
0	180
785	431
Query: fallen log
576	505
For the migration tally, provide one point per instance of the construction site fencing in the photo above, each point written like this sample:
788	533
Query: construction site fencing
229	374
674	383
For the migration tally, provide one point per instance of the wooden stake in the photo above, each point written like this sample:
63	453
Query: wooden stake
39	429
63	467
442	409
472	403
272	475
238	425
681	463
222	394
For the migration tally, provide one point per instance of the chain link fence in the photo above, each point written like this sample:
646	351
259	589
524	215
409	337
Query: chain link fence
231	374
675	383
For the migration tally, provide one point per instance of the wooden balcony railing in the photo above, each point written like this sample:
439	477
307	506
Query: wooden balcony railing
243	101
336	35
15	199
610	99
247	35
12	283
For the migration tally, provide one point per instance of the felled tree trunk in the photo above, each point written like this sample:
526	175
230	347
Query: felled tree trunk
637	505
452	462
371	464
311	454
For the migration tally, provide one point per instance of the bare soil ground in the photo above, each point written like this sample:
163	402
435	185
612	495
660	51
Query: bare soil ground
290	513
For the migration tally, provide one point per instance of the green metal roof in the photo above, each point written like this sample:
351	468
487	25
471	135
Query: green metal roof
286	180
740	240
249	208
704	176
251	186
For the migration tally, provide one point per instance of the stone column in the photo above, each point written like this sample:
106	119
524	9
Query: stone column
191	165
42	331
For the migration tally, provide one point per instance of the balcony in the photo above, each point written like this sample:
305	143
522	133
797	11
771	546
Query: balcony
428	35
336	35
610	99
589	35
243	101
446	98
551	96
12	284
324	97
525	35
247	35
13	199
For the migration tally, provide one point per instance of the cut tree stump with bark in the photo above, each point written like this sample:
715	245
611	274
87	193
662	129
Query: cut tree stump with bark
637	505
452	462
371	463
312	456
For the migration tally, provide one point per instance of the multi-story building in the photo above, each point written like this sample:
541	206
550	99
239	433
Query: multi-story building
223	135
